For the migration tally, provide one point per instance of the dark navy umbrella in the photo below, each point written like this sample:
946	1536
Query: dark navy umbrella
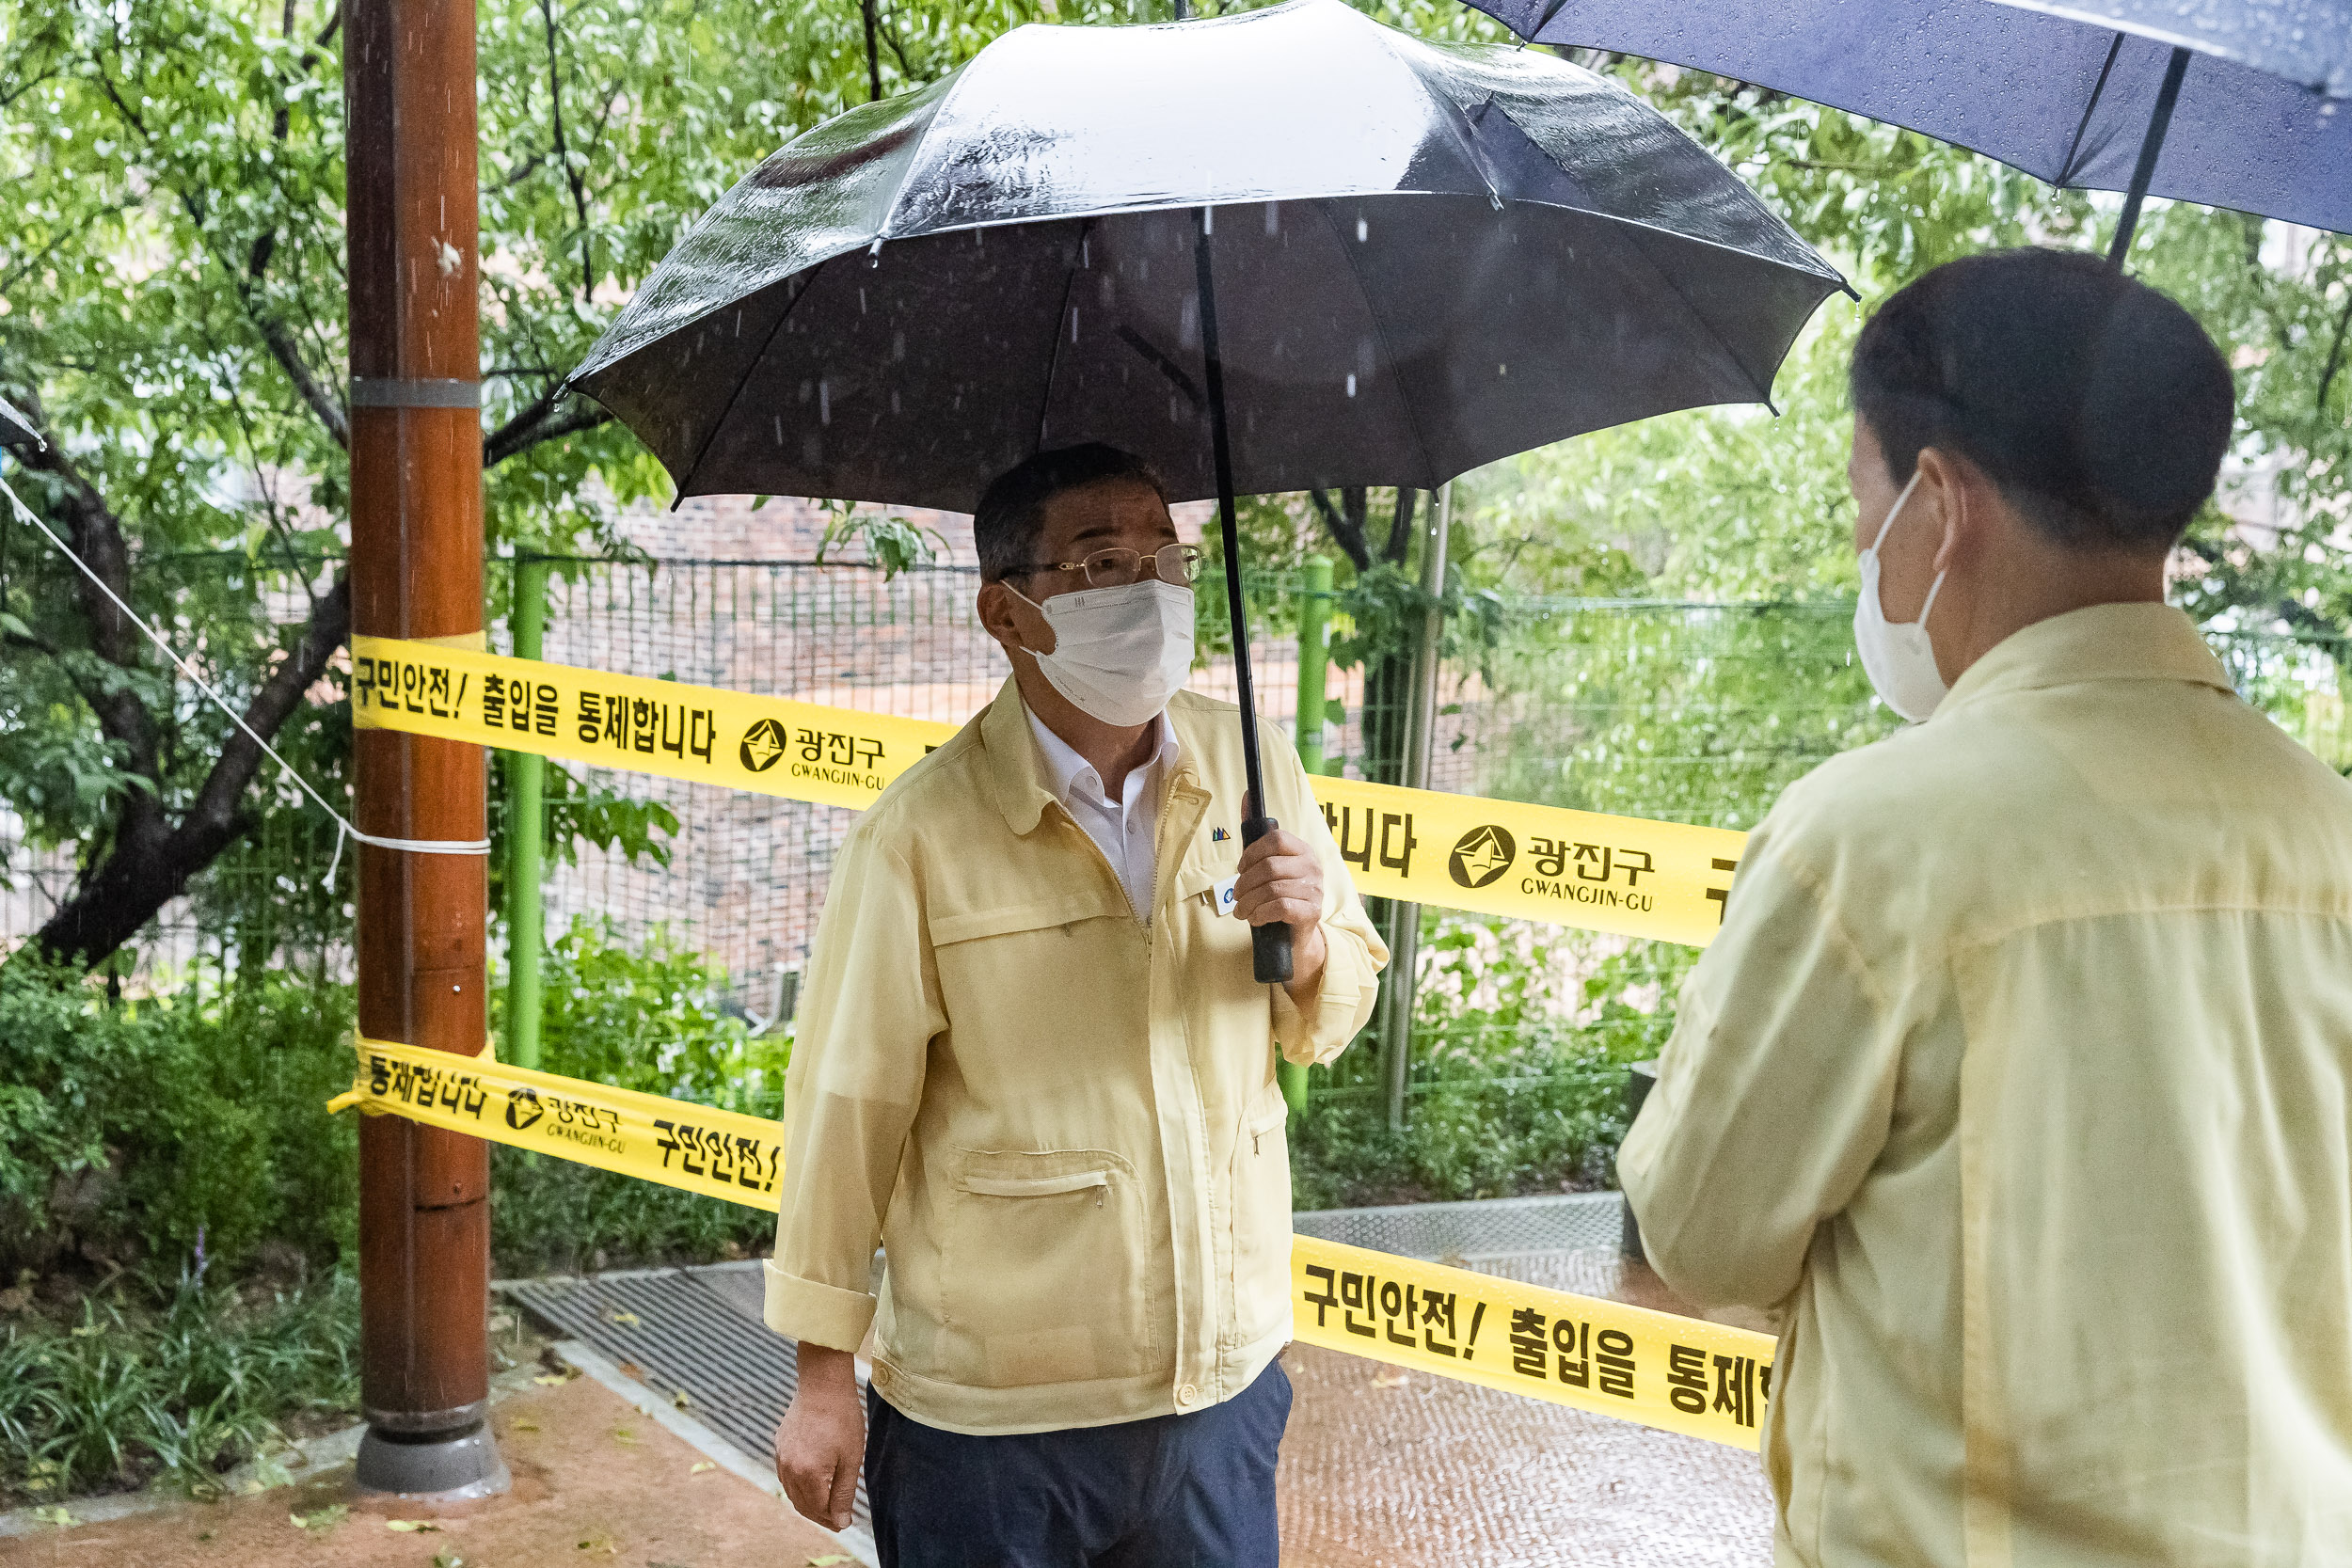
1278	250
2236	103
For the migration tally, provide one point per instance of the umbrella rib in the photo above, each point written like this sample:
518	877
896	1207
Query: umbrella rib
740	382
885	228
1412	415
1053	360
1626	234
2066	169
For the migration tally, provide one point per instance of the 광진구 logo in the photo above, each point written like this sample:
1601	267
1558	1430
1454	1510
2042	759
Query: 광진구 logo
1481	855
523	1107
763	745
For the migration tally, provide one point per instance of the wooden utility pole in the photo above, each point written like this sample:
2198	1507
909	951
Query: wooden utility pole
416	571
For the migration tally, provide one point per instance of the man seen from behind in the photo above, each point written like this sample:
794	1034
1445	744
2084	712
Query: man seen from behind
2019	1080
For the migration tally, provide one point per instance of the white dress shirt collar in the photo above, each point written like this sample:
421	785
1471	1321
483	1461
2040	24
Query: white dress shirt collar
1126	829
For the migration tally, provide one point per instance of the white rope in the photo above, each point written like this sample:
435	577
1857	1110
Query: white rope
343	824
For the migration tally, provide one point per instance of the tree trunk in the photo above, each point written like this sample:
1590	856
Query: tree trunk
151	860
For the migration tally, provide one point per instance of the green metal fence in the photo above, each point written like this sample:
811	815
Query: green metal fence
1690	712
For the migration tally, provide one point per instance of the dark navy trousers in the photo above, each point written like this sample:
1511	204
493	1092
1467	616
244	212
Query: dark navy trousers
1186	1491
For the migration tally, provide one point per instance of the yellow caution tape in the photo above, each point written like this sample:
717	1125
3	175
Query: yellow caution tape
716	1153
1680	1375
1622	874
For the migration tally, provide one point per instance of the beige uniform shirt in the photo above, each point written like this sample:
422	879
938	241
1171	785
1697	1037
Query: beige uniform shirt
2019	1078
1060	1120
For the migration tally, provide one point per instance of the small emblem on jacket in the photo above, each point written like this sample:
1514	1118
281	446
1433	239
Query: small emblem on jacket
1218	836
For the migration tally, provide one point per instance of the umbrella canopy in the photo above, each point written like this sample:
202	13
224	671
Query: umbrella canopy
2309	42
1273	251
2066	92
1426	256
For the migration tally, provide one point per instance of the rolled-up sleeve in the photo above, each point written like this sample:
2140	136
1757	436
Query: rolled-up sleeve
1773	1097
1354	953
870	1011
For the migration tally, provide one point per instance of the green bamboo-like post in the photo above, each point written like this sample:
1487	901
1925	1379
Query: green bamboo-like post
1314	617
526	809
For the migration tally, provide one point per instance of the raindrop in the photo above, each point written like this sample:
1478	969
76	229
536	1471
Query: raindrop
739	323
779	430
1073	323
1273	218
1502	370
897	345
1208	221
861	299
1364	230
1086	256
894	401
1351	384
824	402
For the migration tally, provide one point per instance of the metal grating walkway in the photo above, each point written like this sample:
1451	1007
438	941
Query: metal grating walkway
694	1333
1478	1229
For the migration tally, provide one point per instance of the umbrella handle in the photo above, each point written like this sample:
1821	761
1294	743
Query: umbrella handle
1270	944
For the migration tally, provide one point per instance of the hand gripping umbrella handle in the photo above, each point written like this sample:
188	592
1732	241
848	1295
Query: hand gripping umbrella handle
1270	944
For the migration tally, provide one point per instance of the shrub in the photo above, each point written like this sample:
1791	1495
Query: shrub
1516	1081
652	1019
130	1129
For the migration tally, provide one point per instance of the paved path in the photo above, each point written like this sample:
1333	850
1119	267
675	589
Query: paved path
1383	1469
1379	1468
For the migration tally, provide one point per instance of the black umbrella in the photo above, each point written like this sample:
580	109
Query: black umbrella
2221	102
1391	261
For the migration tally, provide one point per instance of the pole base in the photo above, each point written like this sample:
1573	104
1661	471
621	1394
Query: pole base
447	1466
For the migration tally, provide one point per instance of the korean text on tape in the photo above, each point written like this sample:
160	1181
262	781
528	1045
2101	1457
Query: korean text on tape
1701	1379
676	1142
1680	1375
1623	874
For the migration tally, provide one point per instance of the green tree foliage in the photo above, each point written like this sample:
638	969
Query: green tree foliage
172	315
1749	504
171	312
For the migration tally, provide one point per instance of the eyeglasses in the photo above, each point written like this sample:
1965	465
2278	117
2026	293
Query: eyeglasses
1118	566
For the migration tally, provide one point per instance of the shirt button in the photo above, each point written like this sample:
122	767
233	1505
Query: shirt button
1187	1395
882	1375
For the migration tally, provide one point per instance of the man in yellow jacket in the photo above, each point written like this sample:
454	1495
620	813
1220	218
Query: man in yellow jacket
1032	1063
2020	1077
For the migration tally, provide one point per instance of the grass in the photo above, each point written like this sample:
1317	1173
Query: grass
183	1384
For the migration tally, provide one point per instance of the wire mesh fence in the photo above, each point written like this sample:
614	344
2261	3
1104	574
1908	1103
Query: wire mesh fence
1699	713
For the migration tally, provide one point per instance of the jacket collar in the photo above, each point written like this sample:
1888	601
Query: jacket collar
2103	643
1014	773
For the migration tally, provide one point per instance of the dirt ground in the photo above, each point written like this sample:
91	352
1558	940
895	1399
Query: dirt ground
596	1483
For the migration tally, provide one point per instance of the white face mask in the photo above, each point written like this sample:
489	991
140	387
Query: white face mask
1118	653
1900	661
